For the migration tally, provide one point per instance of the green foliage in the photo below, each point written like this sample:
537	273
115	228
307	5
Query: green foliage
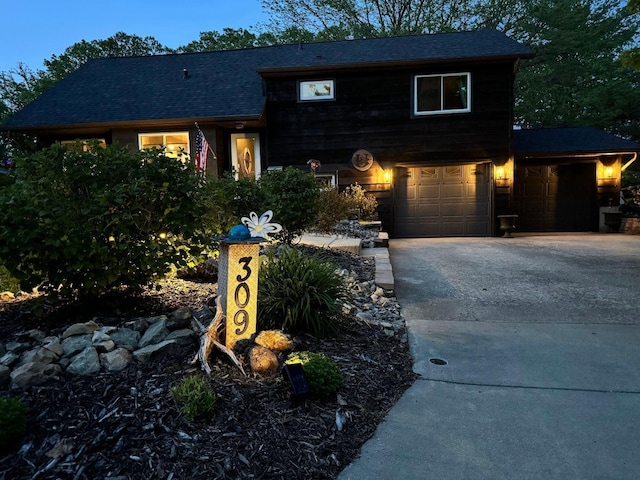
13	422
322	374
293	196
195	397
84	222
361	202
8	283
333	206
299	293
227	201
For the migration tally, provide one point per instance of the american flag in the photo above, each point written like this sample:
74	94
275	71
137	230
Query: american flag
202	150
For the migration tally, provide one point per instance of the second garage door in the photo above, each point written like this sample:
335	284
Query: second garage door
443	201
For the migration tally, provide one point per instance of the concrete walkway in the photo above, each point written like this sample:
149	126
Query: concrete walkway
540	336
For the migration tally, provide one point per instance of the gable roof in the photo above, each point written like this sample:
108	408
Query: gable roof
549	142
227	85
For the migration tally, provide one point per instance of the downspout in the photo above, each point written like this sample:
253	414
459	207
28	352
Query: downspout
626	165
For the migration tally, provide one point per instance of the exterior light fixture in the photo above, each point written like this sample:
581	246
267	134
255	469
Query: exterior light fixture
500	173
608	172
387	176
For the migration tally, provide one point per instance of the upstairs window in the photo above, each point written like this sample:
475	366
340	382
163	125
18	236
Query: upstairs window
82	145
175	143
436	94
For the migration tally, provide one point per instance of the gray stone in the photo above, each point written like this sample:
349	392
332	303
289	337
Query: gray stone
81	329
156	333
53	344
116	360
85	363
159	318
31	374
166	348
5	376
139	324
9	359
126	338
38	355
102	342
17	347
183	313
108	329
38	335
365	317
74	345
184	337
2	350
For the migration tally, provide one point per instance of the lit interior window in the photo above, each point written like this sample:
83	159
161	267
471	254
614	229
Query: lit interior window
175	143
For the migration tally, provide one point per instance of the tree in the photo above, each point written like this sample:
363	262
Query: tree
371	18
21	85
576	77
631	57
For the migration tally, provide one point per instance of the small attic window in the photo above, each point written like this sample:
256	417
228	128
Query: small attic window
316	90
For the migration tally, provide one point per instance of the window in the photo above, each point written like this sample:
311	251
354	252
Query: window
435	94
327	180
82	145
175	143
315	90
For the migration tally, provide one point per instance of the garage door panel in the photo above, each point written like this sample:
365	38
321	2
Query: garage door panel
450	200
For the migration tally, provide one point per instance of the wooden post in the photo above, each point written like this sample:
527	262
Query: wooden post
238	288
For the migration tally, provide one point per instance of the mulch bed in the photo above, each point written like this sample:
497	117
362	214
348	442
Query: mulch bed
127	423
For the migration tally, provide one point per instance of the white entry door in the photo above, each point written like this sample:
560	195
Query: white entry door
245	155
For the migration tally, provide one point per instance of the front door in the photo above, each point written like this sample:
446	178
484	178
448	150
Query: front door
245	155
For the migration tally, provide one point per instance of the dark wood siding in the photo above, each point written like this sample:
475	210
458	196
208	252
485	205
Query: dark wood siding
373	110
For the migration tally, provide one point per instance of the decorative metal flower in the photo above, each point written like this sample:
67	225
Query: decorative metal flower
260	227
314	164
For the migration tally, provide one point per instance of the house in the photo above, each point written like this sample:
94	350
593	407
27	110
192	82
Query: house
423	122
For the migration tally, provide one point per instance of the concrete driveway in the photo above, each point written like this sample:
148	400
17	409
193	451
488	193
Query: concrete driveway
541	339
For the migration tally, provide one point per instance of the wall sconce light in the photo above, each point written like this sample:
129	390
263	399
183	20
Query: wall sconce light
608	172
387	176
500	173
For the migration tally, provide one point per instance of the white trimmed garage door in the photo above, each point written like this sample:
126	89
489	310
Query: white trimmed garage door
443	201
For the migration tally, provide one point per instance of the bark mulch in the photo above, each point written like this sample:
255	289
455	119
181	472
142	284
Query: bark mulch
127	424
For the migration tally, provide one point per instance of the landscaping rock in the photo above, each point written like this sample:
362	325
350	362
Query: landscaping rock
116	360
73	345
2	350
274	340
139	324
184	337
263	361
5	376
32	374
156	333
126	338
85	363
38	355
17	347
102	342
86	328
9	358
165	348
53	344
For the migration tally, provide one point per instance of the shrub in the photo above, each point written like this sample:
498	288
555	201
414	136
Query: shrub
299	293
293	196
362	203
195	397
322	374
13	422
7	282
84	222
333	207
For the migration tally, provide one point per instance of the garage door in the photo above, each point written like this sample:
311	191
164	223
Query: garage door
556	198
444	201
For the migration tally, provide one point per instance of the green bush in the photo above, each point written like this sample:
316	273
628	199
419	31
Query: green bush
292	195
195	397
84	222
7	282
362	203
333	207
13	422
322	374
299	293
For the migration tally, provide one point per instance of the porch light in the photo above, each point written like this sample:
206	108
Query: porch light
500	173
387	176
608	172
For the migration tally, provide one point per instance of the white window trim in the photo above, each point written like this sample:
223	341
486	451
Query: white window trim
330	176
164	138
302	97
234	153
441	111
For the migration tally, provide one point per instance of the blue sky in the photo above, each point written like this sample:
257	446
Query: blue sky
33	30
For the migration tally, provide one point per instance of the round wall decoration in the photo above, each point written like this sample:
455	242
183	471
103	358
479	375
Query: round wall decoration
362	160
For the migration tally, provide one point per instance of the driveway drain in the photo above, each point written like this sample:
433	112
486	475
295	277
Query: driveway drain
438	361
